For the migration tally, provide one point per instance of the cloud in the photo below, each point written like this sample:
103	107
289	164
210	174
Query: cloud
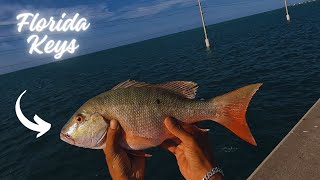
8	12
10	39
95	11
6	46
150	9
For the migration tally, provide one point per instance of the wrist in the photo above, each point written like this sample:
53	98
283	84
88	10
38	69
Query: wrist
128	177
213	174
206	167
217	176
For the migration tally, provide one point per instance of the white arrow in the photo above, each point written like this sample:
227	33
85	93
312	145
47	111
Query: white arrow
42	126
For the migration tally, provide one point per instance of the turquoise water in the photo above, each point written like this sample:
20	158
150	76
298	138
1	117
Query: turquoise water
261	48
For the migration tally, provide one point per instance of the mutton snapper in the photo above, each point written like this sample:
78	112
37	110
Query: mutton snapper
141	108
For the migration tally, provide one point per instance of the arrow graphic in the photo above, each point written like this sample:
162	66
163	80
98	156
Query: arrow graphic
40	126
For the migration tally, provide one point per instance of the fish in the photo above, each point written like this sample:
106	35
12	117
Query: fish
141	108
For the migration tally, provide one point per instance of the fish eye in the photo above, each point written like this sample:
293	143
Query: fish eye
79	119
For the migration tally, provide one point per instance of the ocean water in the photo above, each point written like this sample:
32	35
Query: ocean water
260	48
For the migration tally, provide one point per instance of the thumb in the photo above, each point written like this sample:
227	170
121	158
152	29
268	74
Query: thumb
176	129
112	143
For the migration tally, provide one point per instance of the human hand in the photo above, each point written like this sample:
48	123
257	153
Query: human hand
192	150
121	165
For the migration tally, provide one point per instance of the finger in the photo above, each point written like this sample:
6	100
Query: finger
170	146
177	130
176	140
138	164
112	143
135	153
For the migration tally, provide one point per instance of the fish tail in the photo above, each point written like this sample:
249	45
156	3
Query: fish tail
231	110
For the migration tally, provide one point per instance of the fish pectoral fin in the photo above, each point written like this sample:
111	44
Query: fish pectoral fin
195	129
139	153
202	130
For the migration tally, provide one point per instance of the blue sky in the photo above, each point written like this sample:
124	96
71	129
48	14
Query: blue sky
114	22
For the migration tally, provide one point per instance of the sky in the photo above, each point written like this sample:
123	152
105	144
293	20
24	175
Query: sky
113	23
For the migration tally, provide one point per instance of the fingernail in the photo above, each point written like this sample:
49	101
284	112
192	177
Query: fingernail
167	120
113	124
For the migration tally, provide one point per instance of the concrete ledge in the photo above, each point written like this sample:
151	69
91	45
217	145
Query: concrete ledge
297	156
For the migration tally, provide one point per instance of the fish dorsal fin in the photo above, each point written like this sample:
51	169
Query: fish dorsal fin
130	83
186	89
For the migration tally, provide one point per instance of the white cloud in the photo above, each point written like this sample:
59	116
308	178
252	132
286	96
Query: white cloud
97	11
150	9
8	12
6	46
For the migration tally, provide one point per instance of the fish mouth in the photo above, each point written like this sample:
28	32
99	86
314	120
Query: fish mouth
67	138
102	139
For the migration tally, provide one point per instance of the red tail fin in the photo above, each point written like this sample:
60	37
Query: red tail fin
231	110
